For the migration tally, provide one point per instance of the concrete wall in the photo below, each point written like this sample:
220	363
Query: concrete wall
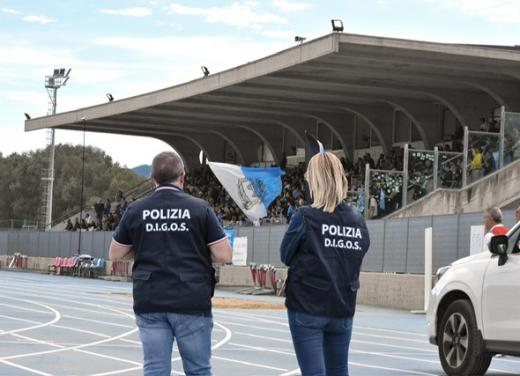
497	189
403	291
396	245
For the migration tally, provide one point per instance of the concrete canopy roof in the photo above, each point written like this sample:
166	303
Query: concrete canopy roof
335	80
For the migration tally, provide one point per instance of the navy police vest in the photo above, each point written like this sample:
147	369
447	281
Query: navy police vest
324	276
172	270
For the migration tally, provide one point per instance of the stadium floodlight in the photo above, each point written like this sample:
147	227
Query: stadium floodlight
53	82
27	116
205	70
337	25
299	39
58	79
110	97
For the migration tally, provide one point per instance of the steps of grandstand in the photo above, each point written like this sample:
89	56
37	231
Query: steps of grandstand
498	189
140	190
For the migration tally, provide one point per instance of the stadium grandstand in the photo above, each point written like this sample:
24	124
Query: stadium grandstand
421	115
429	137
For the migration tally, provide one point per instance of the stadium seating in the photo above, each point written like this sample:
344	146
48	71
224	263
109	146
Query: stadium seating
55	266
96	267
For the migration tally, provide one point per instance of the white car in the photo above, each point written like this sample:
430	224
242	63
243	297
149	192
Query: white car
474	309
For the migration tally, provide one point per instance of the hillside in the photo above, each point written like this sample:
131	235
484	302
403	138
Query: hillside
143	170
21	185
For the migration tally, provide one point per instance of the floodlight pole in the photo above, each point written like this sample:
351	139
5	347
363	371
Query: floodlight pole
52	84
502	136
405	175
367	189
465	158
48	214
435	167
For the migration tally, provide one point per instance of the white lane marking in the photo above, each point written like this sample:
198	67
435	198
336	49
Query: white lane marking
61	299
272	319
52	344
90	344
255	327
366	352
264	337
297	371
110	339
249	363
25	368
120	303
25	308
282	316
358	333
258	348
221	343
117	372
56	318
226	338
99	322
418	349
248	318
412	358
391	369
294	372
355	332
391	331
77	348
73	330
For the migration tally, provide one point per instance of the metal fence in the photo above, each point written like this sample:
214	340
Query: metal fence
397	245
54	243
427	170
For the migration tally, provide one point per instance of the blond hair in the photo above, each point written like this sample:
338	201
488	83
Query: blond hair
327	181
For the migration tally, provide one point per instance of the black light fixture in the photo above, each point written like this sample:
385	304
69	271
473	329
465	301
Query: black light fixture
337	25
299	39
110	97
27	116
205	70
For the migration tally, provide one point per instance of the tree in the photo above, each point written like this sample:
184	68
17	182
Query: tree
21	186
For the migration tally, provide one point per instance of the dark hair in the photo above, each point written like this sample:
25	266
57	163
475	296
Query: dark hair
167	167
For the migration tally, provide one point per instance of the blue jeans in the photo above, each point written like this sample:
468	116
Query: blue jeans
193	335
321	343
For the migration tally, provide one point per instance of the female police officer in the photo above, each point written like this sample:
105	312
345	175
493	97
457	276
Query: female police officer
324	247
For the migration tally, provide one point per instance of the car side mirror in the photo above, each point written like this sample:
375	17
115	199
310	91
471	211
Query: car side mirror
498	246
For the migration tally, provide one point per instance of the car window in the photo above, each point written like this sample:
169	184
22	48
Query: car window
514	242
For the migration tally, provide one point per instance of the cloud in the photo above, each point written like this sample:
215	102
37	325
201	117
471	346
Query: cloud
239	14
291	6
9	11
189	52
496	11
131	12
39	19
279	34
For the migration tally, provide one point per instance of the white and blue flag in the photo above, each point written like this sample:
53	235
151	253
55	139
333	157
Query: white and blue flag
253	189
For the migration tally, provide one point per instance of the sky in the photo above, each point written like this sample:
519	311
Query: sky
128	47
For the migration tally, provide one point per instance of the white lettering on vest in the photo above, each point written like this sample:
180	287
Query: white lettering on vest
332	232
166	214
160	220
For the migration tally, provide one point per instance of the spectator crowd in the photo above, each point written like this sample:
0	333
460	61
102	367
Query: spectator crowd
385	181
105	217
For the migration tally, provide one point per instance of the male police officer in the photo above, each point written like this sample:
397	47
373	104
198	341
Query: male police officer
173	238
